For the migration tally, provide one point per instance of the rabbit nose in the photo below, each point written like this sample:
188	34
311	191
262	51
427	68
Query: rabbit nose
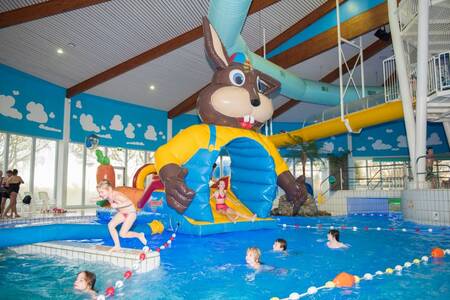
255	102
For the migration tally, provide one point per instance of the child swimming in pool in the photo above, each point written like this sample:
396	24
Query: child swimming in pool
85	282
126	214
221	195
253	258
333	240
280	245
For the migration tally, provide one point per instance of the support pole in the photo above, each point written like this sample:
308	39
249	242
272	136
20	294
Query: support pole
421	93
402	75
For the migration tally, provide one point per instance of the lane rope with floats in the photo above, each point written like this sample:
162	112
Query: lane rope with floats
348	280
119	284
364	228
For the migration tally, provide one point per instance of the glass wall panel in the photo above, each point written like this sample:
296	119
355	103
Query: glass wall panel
90	181
136	159
2	152
19	158
44	167
75	175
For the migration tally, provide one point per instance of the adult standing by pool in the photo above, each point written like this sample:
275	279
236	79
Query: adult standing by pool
14	183
5	192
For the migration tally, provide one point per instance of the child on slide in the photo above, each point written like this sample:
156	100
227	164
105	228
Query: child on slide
221	195
126	214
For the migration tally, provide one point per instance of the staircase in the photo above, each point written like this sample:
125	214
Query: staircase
438	102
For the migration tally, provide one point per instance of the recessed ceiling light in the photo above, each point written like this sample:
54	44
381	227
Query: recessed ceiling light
152	87
60	51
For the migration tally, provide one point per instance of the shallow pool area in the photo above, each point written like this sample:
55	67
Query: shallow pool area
213	267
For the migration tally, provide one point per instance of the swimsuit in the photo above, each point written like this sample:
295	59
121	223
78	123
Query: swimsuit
221	206
126	213
14	187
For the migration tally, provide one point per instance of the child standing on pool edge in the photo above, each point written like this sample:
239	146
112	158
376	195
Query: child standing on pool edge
221	195
126	214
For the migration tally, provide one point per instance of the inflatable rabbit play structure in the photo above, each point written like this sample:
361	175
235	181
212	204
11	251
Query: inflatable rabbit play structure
232	108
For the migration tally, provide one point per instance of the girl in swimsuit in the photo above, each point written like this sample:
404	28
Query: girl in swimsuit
126	215
223	209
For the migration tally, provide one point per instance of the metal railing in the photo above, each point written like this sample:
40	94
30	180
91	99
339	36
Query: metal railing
438	76
354	106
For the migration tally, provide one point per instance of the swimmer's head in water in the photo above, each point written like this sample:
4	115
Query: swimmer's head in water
333	233
85	281
279	245
253	255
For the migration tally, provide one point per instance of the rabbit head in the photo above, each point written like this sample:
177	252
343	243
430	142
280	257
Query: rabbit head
237	94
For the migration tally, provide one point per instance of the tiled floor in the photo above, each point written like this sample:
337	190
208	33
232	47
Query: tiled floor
71	216
127	258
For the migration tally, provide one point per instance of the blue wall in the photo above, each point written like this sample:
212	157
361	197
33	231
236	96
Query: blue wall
184	121
390	140
29	105
347	10
118	124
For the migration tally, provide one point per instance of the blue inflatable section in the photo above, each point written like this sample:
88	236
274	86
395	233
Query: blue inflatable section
253	179
36	234
200	171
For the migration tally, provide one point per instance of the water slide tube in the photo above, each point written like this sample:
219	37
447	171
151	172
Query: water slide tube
228	17
372	116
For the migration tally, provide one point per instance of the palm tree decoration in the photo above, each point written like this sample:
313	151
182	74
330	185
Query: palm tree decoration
306	150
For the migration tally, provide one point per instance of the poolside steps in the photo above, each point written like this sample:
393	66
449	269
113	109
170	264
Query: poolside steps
126	259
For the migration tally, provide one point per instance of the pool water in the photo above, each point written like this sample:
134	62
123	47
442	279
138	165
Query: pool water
213	267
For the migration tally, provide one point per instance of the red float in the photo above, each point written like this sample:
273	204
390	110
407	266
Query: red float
344	280
142	256
109	291
127	274
437	253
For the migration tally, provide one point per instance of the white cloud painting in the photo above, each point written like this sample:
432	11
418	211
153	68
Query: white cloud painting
434	140
129	131
402	142
7	107
150	133
36	113
327	147
87	123
116	123
379	145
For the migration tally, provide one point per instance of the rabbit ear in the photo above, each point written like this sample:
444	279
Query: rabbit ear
213	46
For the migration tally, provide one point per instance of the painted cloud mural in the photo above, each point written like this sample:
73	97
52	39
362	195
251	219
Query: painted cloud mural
36	113
87	123
7	107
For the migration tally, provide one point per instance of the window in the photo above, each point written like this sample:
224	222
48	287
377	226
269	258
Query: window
44	167
117	160
90	182
2	152
135	160
20	149
75	175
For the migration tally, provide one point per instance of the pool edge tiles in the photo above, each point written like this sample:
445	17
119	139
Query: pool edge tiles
127	258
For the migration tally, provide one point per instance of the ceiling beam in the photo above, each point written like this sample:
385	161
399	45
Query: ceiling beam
42	10
189	103
368	52
152	54
299	26
350	29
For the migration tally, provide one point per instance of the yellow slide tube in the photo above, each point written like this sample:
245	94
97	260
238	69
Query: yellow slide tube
372	116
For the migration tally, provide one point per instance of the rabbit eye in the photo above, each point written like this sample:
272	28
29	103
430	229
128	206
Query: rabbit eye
237	77
262	86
